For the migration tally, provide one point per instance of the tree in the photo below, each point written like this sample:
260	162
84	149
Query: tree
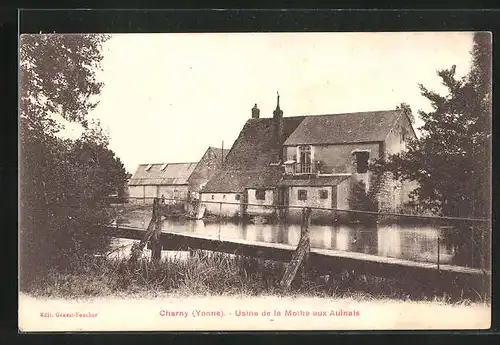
64	183
407	110
451	159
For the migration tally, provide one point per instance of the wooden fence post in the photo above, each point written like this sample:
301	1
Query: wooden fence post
155	238
154	227
301	254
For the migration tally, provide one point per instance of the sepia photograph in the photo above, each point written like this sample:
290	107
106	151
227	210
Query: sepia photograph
255	181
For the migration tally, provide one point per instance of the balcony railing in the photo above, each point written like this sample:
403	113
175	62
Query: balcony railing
300	168
304	168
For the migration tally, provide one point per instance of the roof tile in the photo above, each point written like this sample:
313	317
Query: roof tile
368	126
172	174
248	162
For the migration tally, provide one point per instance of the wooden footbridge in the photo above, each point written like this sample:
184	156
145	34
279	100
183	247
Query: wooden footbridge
434	277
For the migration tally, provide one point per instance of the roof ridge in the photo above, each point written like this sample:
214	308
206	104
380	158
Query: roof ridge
271	118
355	112
331	114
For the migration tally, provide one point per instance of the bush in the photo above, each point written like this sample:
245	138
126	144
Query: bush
64	190
361	200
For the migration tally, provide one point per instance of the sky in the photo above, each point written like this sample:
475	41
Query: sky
167	97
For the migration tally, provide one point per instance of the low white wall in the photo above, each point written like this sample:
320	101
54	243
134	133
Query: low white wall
226	210
260	210
135	192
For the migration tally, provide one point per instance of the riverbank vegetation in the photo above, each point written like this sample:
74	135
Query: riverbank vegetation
217	274
66	182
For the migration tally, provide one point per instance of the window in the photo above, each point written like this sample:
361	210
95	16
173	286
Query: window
361	161
212	197
302	194
323	194
260	194
237	197
224	196
304	166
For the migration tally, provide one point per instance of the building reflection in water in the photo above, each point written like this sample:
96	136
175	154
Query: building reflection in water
365	240
281	233
321	237
259	233
293	234
266	232
244	231
406	242
389	241
251	233
343	236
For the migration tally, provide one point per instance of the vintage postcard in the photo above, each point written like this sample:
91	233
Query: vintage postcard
255	181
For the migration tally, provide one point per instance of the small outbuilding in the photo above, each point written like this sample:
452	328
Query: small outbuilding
170	180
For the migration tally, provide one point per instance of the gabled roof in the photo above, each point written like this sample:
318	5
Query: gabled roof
247	164
370	126
171	174
218	152
209	164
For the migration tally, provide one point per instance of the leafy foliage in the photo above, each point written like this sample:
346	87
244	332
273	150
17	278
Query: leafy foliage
451	160
407	110
364	200
64	183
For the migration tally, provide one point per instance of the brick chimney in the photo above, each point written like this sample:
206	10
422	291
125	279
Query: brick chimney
278	124
255	112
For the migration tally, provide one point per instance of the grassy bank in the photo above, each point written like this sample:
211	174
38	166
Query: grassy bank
205	273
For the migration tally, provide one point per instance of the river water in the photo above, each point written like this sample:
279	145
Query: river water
411	242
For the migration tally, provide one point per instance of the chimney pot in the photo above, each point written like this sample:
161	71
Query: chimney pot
255	112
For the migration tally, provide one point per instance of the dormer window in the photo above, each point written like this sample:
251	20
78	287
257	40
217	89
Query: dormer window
305	154
361	158
163	167
305	160
149	167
